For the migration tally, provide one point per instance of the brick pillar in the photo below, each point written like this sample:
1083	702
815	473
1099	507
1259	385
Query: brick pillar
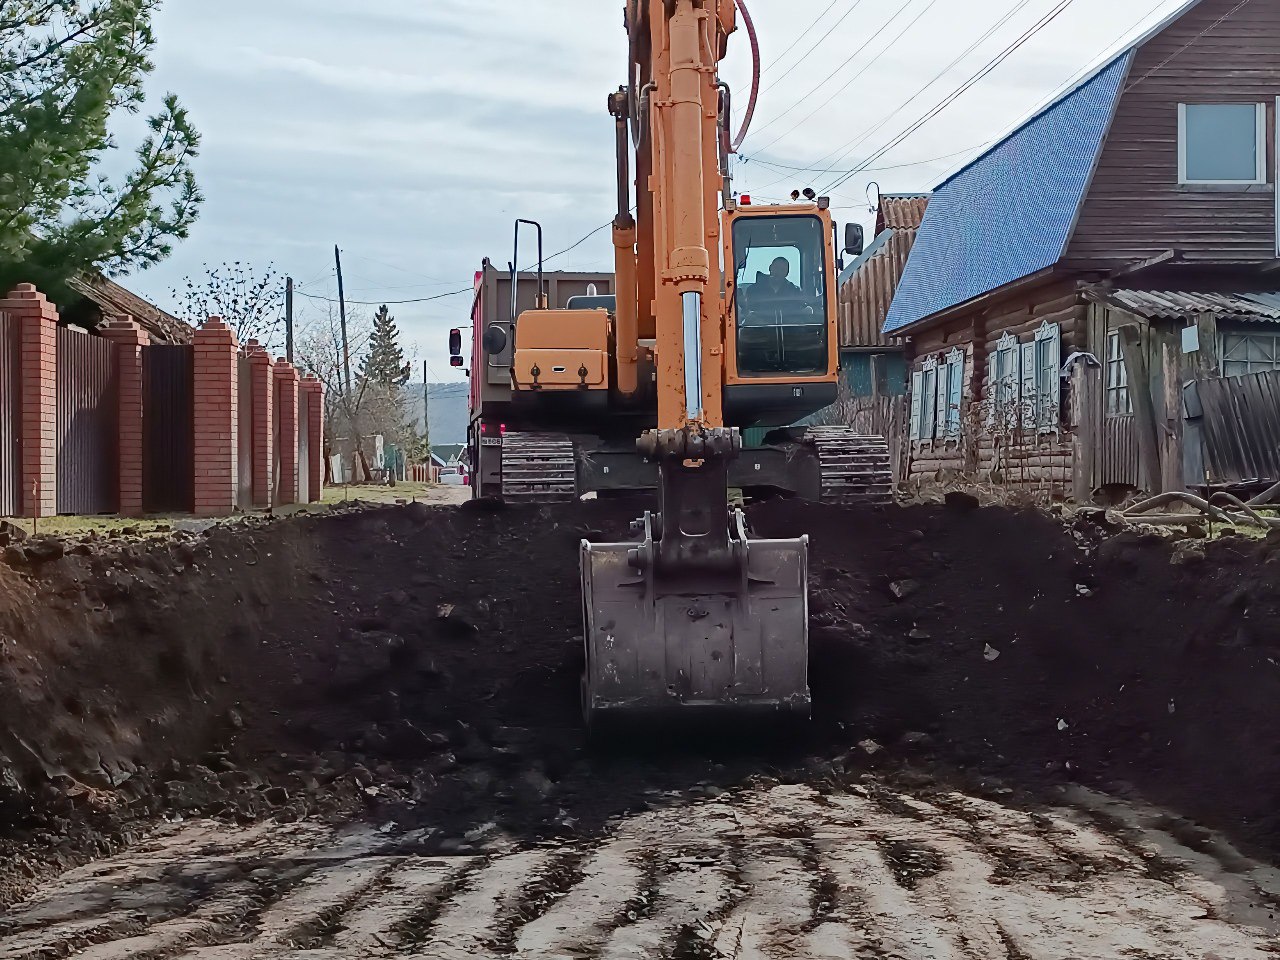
130	340
312	394
37	321
286	399
216	436
263	385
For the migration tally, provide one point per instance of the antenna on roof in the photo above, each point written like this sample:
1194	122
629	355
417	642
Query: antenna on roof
873	204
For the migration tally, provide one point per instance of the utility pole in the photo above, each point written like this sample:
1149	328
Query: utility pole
426	416
342	316
288	319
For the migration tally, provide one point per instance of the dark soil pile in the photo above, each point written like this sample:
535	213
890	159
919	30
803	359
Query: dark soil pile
423	662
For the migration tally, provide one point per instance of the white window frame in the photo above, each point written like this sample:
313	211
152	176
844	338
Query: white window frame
1005	375
1048	352
1251	366
951	390
1260	148
928	399
1119	390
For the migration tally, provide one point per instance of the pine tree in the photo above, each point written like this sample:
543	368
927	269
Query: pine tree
385	364
68	68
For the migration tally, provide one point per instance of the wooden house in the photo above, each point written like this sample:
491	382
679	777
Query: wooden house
1047	294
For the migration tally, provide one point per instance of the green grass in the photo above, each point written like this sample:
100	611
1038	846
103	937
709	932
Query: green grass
157	525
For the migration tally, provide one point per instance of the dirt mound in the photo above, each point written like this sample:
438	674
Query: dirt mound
424	662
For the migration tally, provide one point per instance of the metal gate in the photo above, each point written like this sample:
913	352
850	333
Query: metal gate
88	424
168	449
244	456
10	417
304	449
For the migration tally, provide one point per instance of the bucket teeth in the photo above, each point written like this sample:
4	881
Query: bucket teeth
703	642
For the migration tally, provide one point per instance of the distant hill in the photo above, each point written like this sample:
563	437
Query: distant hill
448	410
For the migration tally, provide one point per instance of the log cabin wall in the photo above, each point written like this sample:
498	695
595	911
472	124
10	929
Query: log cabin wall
988	447
1219	52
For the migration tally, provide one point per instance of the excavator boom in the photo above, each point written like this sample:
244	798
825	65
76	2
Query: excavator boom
694	616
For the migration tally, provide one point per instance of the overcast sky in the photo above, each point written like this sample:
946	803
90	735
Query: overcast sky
412	132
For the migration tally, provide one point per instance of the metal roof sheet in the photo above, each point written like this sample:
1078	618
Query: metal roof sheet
901	211
1186	305
867	290
1010	213
872	249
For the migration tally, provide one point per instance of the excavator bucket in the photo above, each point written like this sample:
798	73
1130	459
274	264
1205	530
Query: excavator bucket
710	643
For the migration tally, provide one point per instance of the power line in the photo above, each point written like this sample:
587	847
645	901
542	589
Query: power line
459	292
852	144
870	40
956	95
820	41
896	166
1190	43
796	42
392	266
388	303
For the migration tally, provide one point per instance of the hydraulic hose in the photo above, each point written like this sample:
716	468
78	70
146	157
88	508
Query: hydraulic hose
755	76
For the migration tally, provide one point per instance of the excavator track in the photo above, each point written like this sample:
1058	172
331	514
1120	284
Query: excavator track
855	468
538	468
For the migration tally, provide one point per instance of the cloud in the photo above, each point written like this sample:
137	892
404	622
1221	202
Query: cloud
412	132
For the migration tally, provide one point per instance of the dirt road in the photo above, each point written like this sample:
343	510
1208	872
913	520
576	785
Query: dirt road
782	872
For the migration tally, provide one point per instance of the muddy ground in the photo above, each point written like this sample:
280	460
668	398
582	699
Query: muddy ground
419	665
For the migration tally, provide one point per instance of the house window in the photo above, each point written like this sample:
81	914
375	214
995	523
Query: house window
1222	143
1245	353
1119	404
936	393
950	394
1004	373
1048	401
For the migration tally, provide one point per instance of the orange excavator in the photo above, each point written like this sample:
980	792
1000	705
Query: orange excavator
721	316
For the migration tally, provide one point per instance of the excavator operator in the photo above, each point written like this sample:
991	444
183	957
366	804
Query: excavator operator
778	284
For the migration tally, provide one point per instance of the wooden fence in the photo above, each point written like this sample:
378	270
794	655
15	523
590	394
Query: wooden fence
1239	428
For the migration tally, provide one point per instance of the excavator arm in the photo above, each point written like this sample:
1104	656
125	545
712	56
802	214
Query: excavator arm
694	616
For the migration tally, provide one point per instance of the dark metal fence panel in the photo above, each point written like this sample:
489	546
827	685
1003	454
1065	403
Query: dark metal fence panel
304	449
244	414
1241	427
10	417
88	424
1119	461
168	451
276	479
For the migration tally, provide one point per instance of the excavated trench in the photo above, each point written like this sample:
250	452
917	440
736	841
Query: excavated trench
418	666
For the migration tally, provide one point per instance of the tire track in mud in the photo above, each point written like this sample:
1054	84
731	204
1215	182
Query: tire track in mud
781	872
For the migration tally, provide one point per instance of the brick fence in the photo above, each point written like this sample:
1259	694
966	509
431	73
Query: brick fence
277	393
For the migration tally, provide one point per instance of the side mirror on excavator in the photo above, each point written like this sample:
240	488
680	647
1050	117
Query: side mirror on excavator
854	243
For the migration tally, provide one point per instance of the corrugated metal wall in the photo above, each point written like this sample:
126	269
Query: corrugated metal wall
1241	427
88	424
10	417
168	452
865	298
1119	460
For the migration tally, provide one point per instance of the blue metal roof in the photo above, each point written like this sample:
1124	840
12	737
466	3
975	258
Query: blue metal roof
1011	212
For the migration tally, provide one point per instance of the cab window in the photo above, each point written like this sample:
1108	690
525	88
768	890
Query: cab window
780	294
